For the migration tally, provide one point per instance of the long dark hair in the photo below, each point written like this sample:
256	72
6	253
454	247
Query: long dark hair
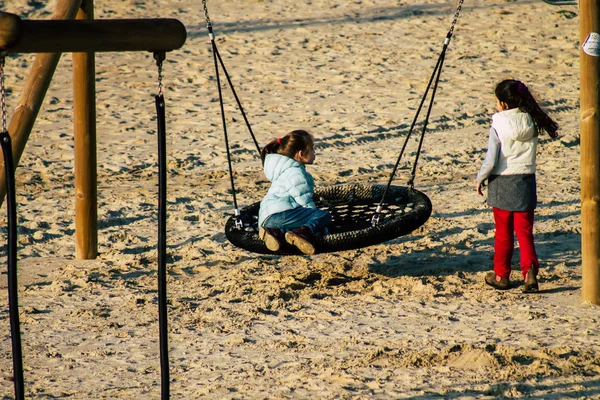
288	145
516	95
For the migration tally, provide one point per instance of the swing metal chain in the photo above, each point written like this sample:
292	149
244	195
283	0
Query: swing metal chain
160	75
208	23
217	60
455	20
2	93
435	76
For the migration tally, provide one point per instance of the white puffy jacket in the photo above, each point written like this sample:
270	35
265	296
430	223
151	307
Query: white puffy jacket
291	186
518	142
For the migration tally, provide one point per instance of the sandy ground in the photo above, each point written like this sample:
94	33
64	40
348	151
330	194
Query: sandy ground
410	318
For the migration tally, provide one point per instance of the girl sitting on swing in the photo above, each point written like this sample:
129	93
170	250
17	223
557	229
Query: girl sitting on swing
287	212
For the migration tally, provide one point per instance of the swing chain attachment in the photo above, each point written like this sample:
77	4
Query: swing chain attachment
208	22
160	57
375	218
2	92
238	220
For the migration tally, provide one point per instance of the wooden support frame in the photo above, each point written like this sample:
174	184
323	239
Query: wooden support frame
589	14
36	85
74	36
82	37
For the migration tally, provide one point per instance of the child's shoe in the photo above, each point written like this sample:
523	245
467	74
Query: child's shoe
531	283
272	237
302	239
496	282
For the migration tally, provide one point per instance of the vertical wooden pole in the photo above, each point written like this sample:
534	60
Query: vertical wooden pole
34	91
590	151
84	110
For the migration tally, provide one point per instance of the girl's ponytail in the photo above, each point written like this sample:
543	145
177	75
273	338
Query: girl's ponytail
288	145
270	148
516	95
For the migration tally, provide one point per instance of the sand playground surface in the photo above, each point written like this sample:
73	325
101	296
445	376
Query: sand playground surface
410	318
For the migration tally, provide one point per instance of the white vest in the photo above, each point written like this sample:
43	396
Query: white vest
518	142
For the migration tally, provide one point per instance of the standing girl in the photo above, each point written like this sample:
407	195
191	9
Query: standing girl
509	168
288	212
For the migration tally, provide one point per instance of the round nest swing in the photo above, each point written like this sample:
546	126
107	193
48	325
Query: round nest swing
351	208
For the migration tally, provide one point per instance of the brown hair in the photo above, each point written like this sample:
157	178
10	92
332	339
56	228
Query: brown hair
288	145
516	95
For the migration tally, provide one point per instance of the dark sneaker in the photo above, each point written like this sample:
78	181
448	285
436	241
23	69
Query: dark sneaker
531	282
272	237
302	239
492	279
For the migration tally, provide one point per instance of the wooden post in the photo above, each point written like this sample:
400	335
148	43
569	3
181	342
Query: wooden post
10	30
84	118
68	36
589	18
33	94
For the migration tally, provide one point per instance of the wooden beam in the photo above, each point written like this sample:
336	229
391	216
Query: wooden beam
84	119
589	23
10	30
31	100
52	36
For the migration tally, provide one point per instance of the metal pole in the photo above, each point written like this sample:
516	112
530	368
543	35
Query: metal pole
162	232
11	248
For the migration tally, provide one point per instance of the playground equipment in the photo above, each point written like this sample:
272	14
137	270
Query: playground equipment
242	232
363	215
83	37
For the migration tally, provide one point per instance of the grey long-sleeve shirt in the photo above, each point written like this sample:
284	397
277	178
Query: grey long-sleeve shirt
491	157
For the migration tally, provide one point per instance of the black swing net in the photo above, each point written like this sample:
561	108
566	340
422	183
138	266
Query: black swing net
352	208
363	215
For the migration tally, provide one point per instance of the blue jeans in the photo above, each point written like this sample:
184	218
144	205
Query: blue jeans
314	218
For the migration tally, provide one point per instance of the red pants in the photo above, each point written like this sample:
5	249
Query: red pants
508	222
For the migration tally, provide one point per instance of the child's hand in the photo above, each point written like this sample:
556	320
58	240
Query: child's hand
480	189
